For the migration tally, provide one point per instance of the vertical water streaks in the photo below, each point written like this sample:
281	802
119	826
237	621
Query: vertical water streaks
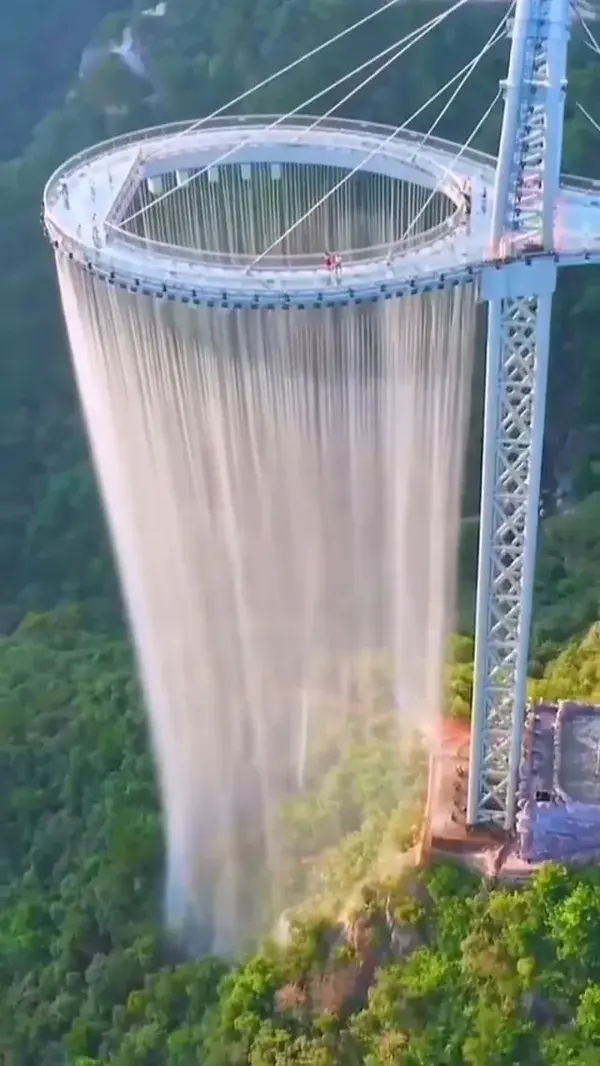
283	491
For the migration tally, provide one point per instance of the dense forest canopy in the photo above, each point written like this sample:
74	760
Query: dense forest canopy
423	969
419	968
40	49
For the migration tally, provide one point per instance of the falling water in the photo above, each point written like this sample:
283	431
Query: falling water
283	490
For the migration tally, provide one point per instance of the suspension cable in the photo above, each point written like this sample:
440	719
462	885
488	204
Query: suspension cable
593	45
449	171
340	103
491	41
367	158
424	30
592	121
591	40
290	66
403	43
467	71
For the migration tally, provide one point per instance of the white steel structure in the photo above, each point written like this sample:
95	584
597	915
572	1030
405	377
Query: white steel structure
86	201
537	225
524	217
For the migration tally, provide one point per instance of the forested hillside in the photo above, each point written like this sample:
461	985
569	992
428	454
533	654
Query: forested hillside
40	49
429	969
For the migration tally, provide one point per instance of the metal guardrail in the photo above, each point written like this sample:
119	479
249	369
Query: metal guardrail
175	129
153	139
116	213
272	261
188	290
306	261
347	125
573	181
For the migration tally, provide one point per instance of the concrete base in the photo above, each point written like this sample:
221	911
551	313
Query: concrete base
446	834
495	854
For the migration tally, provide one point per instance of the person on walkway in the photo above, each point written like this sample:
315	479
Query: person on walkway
333	264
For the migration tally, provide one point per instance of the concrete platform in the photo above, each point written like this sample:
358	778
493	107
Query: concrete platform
559	797
559	793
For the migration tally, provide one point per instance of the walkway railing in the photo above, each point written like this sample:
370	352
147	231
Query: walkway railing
175	129
119	207
305	261
169	140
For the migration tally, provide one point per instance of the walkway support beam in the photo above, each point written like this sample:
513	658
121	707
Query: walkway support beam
520	307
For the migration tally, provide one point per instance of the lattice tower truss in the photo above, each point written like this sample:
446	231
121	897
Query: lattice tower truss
520	305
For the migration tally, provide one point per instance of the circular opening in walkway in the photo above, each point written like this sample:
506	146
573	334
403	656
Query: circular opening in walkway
284	214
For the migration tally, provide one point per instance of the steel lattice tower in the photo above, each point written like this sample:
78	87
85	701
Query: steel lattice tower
520	305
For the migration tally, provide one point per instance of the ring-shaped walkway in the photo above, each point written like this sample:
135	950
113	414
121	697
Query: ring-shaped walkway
89	196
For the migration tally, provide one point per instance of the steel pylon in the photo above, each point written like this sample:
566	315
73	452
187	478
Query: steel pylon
520	305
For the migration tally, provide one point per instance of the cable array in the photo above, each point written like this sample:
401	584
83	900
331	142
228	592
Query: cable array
290	66
404	44
594	47
590	39
495	36
449	171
